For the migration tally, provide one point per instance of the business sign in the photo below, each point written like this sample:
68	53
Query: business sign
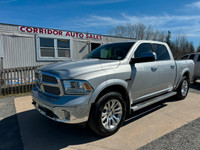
59	33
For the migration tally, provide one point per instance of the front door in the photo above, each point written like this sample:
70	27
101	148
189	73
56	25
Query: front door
144	76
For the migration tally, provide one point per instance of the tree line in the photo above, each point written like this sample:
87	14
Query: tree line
179	45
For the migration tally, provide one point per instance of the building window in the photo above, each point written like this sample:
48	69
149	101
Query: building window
51	49
47	47
63	48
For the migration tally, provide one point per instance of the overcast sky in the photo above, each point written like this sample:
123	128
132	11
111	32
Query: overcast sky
101	15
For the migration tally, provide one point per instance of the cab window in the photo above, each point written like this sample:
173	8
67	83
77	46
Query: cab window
185	57
142	48
161	52
192	56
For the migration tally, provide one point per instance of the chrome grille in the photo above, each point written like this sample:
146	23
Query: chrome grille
49	83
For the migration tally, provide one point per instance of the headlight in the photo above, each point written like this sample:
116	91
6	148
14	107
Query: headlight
76	87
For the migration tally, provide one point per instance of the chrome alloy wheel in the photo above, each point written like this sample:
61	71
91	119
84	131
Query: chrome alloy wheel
111	114
184	88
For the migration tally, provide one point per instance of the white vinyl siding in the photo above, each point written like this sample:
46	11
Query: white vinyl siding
19	52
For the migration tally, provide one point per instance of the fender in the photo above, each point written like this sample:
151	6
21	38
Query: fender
186	70
106	84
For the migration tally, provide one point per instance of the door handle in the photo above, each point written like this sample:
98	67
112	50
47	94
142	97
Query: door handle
172	66
153	69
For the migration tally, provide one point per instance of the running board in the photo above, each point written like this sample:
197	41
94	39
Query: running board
152	101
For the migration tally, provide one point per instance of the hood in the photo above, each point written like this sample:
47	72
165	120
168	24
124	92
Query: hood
71	69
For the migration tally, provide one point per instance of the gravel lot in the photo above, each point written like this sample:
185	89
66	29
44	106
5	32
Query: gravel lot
184	138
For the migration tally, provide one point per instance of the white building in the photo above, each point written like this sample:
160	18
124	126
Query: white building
22	46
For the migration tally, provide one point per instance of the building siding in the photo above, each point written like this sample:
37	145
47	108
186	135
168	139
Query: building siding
8	29
19	52
79	49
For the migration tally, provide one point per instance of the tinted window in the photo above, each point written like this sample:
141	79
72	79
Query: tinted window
192	56
161	52
185	57
198	58
142	48
115	51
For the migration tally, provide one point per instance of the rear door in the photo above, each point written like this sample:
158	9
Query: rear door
166	68
197	67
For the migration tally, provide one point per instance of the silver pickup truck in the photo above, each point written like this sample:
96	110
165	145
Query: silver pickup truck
109	83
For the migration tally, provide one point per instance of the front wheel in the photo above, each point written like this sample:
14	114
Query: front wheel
183	88
108	114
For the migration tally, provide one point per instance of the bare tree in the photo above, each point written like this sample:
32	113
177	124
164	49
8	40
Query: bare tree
198	48
138	31
179	46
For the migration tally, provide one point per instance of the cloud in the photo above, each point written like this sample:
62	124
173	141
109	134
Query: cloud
95	20
8	1
189	24
194	5
100	2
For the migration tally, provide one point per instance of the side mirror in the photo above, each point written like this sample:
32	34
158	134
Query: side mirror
144	57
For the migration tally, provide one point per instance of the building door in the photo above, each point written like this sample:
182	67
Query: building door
94	46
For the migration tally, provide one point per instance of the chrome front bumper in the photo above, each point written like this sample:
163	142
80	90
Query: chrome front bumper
76	114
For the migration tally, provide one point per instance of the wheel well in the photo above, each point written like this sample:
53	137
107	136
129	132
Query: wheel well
117	88
187	74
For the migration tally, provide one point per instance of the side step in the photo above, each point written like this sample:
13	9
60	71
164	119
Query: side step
152	101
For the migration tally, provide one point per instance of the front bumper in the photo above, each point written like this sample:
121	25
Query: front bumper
72	114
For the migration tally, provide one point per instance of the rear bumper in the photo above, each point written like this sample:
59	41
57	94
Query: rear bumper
74	115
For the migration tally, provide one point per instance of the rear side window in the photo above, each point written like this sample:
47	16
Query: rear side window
198	58
192	56
161	52
142	48
185	57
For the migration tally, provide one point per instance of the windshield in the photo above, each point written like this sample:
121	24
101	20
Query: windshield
115	51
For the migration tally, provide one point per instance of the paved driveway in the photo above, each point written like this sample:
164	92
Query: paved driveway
143	127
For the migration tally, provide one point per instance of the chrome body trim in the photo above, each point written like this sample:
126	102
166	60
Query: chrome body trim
41	83
152	101
72	115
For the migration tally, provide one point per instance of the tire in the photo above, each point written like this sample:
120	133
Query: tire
104	119
183	88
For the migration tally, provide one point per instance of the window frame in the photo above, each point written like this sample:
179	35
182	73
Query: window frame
55	58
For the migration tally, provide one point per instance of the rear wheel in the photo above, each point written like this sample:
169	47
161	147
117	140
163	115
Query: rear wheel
108	114
183	88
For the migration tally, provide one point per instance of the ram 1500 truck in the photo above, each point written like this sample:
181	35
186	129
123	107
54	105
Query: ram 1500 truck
110	82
